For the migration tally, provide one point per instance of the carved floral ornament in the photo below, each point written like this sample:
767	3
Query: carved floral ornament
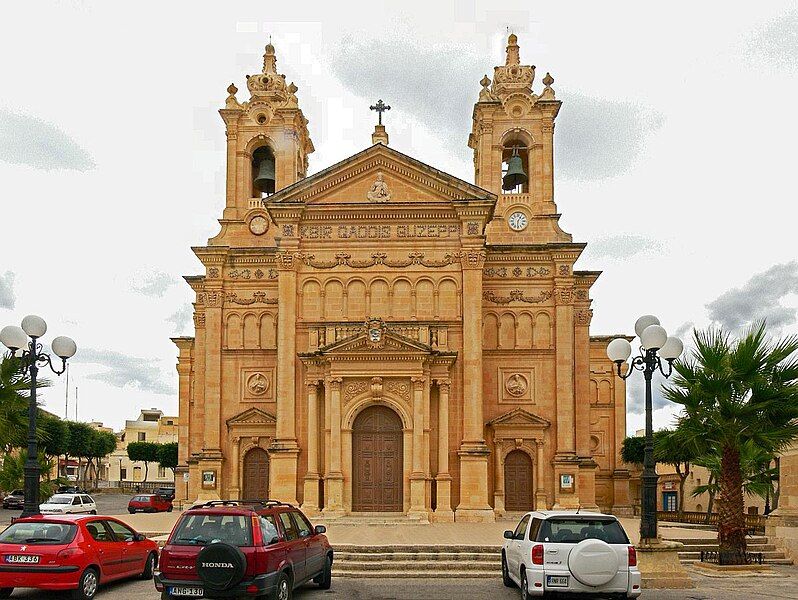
564	295
583	316
516	296
257	298
343	259
248	274
517	272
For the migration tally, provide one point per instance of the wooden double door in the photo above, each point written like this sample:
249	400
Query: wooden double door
377	461
518	493
256	475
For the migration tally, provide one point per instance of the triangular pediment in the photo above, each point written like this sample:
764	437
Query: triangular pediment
519	416
252	416
389	343
379	175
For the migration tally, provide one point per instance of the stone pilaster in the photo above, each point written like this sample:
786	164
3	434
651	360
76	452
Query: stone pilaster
541	501
443	480
311	491
211	457
474	505
284	451
334	481
417	477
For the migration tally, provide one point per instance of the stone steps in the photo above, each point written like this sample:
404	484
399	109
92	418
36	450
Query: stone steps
417	561
771	555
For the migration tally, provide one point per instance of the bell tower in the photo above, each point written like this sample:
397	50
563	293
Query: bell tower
512	137
267	138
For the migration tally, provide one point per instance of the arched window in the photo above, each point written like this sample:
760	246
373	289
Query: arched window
515	167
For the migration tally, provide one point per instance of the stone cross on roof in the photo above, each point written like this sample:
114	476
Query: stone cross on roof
380	107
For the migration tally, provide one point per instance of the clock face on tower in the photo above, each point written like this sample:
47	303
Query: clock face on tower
518	221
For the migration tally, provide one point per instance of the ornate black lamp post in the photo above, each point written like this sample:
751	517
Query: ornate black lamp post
654	346
24	343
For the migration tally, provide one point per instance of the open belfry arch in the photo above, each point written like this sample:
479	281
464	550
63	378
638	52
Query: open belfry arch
384	337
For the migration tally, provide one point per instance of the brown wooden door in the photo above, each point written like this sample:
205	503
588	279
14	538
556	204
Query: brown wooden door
518	481
377	461
256	475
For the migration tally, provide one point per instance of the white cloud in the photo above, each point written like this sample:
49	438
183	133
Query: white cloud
7	296
31	141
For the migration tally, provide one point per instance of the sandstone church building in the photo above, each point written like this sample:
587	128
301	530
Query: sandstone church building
384	337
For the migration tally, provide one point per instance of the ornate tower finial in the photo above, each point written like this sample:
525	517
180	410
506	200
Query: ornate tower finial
513	51
269	58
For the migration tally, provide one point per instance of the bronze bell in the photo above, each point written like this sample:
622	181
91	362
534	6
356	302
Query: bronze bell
264	180
515	175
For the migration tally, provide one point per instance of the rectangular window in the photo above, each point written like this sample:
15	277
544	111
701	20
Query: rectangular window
42	532
669	501
142	436
289	529
161	472
123	474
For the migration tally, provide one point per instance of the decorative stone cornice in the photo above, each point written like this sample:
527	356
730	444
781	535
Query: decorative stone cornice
344	259
257	298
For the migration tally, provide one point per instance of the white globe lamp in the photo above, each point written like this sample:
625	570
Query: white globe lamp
64	347
672	349
643	322
34	326
619	350
13	337
654	337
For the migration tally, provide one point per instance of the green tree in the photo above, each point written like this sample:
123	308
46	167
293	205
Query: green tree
671	449
167	456
80	444
143	451
736	393
633	450
54	436
101	444
12	473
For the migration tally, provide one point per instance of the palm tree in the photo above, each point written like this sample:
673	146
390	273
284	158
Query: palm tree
14	394
736	393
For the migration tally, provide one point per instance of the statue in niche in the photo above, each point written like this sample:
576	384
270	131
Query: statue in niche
379	190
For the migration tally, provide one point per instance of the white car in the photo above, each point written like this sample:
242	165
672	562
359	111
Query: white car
570	552
65	504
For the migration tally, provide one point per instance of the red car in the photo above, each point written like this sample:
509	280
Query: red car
239	549
149	503
72	552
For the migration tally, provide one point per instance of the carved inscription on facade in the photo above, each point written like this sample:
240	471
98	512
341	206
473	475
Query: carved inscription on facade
377	232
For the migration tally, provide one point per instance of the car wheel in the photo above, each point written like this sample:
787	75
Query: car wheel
87	586
508	582
5	592
283	590
149	567
524	587
325	578
131	511
169	509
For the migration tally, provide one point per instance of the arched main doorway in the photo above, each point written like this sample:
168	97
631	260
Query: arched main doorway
377	461
518	482
256	475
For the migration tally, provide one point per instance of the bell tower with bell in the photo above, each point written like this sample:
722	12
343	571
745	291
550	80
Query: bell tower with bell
512	138
267	139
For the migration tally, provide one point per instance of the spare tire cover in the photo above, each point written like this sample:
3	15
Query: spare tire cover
593	562
221	566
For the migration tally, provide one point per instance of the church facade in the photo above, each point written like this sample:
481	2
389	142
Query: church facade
382	336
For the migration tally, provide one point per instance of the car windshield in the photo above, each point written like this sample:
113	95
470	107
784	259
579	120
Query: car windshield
38	533
59	500
201	530
573	531
17	492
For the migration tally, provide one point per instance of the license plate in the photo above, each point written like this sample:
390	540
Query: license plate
21	558
195	592
557	580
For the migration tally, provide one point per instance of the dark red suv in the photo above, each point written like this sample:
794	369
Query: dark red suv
240	548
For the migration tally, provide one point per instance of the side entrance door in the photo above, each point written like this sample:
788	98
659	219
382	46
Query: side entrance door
518	482
256	475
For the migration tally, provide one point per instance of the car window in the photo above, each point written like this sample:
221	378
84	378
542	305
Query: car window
76	501
289	529
87	500
18	492
302	525
533	529
573	531
122	533
201	530
98	531
521	529
38	533
268	530
59	499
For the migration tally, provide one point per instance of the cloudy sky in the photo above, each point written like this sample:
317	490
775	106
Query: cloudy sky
675	153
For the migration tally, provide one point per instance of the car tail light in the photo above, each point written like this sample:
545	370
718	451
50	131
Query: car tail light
252	589
68	552
537	554
632	556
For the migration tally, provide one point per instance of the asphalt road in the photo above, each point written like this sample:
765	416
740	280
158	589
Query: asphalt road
476	589
107	504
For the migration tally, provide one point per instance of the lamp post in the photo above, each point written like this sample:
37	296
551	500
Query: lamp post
23	342
655	345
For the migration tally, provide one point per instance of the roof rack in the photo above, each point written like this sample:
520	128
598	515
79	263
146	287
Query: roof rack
244	502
